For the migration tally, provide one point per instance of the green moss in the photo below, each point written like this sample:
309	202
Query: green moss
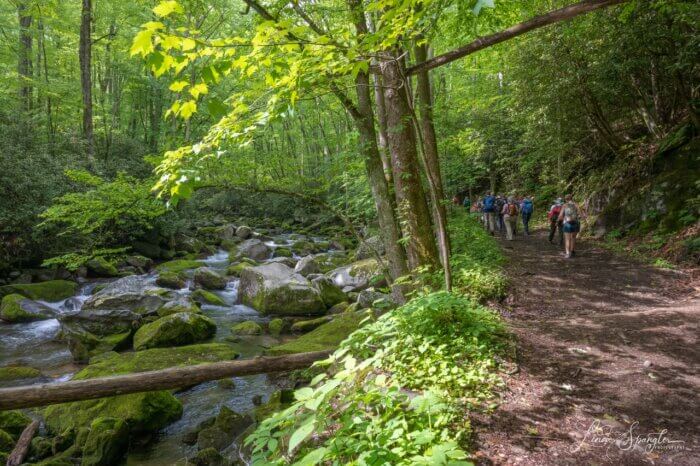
173	307
327	336
236	269
12	310
101	267
177	329
275	327
283	252
365	267
13	422
53	290
305	326
169	279
247	328
40	448
106	443
179	265
18	372
7	443
207	297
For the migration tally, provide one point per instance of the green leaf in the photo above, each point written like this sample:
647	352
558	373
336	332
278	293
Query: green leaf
188	109
301	434
142	44
178	86
167	7
304	393
216	108
312	458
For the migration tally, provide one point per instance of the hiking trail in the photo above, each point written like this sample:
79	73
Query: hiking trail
608	358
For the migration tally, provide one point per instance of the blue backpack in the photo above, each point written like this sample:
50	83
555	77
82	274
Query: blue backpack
527	206
488	203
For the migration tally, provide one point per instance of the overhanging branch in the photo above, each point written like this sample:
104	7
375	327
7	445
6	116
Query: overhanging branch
537	22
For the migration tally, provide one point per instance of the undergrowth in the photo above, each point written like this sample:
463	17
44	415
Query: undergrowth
396	390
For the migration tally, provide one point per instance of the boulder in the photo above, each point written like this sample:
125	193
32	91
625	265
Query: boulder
7	443
51	291
303	247
16	308
248	327
371	298
330	293
150	250
179	305
288	261
276	327
369	248
209	279
189	244
14	422
40	448
339	308
106	443
283	252
182	328
231	422
140	262
326	337
234	270
90	332
356	276
208	457
134	293
213	438
101	267
225	232
207	297
276	289
253	249
179	265
244	232
174	280
307	265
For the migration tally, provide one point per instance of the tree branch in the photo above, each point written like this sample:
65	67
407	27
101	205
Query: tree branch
537	22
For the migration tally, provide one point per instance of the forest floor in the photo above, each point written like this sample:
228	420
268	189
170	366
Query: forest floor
608	357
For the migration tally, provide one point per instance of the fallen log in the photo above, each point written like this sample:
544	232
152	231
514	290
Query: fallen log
22	448
171	378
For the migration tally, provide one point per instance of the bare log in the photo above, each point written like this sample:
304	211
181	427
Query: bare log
537	22
22	448
174	377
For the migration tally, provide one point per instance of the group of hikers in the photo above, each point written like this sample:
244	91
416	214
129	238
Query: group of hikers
499	213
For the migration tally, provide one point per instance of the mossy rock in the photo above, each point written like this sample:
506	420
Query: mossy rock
326	337
208	279
182	328
179	265
207	297
16	308
8	373
208	457
106	443
283	252
40	448
170	279
247	328
179	305
276	327
101	267
305	326
14	422
143	412
236	269
339	308
7	442
303	247
51	291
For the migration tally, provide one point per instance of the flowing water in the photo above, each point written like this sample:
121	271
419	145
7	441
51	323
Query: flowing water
36	344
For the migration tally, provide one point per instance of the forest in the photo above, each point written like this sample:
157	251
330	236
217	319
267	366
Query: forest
316	232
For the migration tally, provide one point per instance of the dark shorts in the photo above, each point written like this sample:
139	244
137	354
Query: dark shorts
572	227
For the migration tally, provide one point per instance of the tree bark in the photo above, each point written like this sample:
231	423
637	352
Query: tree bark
537	22
24	62
22	448
432	163
85	55
410	197
174	377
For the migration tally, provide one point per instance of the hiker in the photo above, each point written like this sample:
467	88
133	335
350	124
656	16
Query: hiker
510	217
490	212
526	209
467	204
554	223
570	216
500	202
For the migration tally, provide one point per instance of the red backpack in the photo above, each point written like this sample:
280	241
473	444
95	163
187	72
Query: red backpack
554	214
512	210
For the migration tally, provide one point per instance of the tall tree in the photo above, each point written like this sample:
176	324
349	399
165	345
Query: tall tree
24	62
85	55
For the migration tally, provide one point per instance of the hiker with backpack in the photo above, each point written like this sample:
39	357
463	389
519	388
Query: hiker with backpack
500	202
510	217
554	223
490	212
570	216
526	209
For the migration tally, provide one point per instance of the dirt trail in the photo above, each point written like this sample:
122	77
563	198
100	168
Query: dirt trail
609	362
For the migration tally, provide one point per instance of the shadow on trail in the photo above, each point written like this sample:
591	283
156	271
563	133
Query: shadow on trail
601	340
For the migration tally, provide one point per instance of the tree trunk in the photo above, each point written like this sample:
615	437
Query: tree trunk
85	54
164	379
24	62
410	197
432	163
22	448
